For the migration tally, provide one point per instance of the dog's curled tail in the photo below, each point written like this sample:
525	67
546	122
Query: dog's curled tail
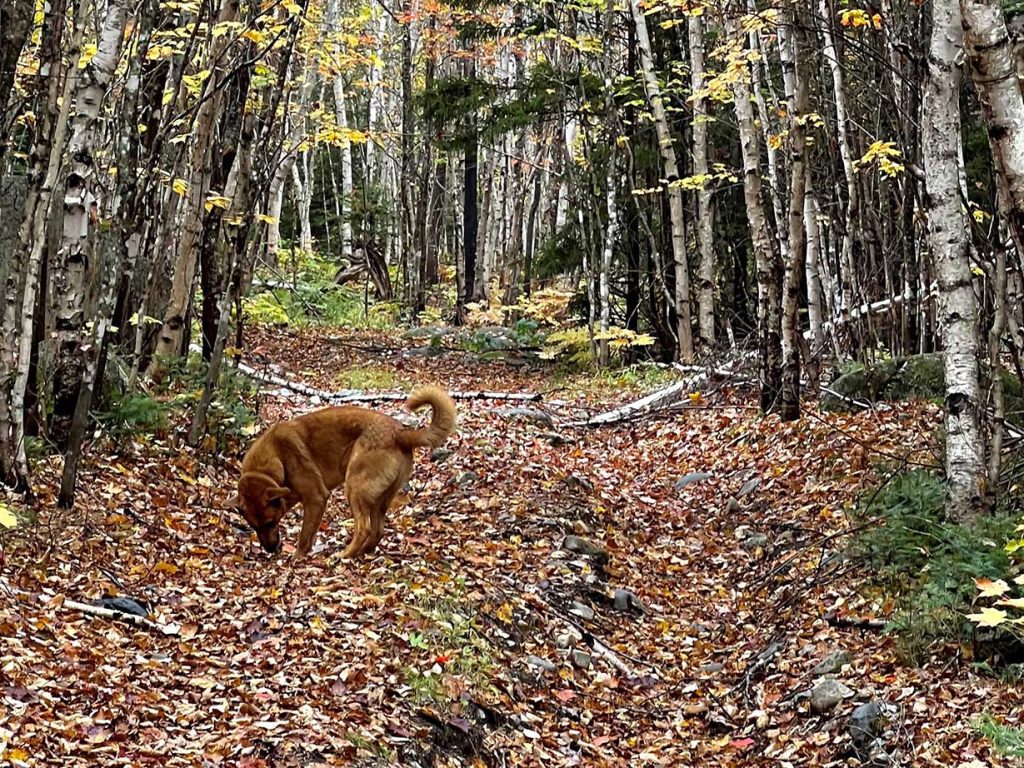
442	421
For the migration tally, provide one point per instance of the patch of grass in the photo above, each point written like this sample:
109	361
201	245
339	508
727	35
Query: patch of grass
611	381
367	377
928	564
426	687
1006	740
134	413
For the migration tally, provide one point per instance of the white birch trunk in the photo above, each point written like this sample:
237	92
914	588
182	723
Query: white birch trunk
705	213
993	69
815	309
684	330
947	239
70	270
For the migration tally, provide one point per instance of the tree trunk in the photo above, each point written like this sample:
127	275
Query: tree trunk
172	331
684	330
947	239
993	69
70	271
795	54
768	264
15	24
332	19
469	225
705	213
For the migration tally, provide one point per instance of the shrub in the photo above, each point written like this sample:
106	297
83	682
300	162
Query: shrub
930	565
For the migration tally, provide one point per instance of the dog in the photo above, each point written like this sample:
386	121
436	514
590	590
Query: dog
303	459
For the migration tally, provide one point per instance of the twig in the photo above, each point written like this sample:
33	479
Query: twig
102	613
854	622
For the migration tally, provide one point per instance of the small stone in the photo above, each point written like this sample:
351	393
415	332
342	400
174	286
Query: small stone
532	415
580	528
693	477
586	547
563	640
711	668
831	664
749	486
732	506
626	601
554	439
827	694
754	541
542	664
582	610
580	659
866	723
440	454
467	478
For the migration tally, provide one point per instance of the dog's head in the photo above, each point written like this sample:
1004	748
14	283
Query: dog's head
262	503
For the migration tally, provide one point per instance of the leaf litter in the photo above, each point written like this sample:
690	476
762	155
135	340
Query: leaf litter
477	635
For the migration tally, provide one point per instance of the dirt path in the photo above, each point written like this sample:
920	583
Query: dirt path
475	637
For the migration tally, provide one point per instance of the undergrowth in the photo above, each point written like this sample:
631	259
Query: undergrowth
928	565
1006	740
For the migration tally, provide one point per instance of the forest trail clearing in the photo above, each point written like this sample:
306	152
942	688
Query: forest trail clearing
473	636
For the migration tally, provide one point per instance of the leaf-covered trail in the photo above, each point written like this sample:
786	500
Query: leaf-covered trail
473	637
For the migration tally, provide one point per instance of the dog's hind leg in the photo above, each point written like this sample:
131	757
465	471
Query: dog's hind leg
362	515
383	504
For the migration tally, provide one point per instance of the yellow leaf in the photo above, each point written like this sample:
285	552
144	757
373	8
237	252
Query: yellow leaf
217	201
165	567
1019	579
266	219
180	186
16	755
1013	602
989	617
505	613
88	52
7	518
253	34
989	588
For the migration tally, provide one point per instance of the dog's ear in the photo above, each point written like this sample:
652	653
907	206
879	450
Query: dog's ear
274	492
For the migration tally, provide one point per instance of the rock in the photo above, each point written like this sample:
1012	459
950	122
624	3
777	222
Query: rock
582	610
580	659
554	439
467	478
749	486
440	454
732	506
711	668
580	528
831	664
693	477
542	664
866	723
423	352
581	546
127	605
428	332
625	601
827	694
564	640
532	415
754	541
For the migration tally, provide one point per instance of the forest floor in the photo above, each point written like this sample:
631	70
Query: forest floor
473	637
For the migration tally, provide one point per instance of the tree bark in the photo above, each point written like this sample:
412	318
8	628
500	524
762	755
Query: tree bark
947	239
705	213
684	330
15	24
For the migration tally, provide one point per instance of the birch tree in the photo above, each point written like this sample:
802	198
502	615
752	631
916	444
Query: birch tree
705	213
947	239
684	330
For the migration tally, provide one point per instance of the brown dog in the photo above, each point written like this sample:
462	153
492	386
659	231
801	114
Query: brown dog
304	459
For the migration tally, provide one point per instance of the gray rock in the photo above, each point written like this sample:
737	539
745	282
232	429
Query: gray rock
440	454
831	664
627	601
554	439
693	477
866	723
532	415
423	352
732	506
580	659
467	478
827	694
582	610
711	668
542	664
586	547
428	332
749	486
754	540
564	640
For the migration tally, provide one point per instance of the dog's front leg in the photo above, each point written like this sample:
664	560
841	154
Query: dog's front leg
312	515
